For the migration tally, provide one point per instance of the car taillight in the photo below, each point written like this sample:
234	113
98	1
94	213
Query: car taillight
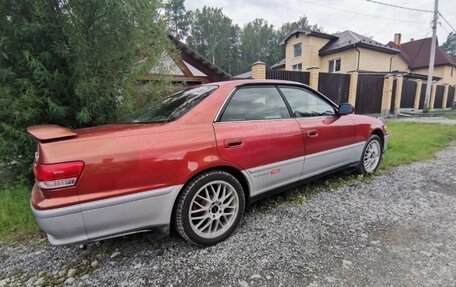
50	176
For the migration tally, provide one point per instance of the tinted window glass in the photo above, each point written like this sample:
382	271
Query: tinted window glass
304	103
171	107
255	103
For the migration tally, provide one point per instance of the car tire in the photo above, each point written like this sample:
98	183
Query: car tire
371	156
209	208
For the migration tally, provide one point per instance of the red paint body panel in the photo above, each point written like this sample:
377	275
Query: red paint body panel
263	142
129	158
331	132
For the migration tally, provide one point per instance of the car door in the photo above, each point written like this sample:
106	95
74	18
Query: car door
329	139
256	131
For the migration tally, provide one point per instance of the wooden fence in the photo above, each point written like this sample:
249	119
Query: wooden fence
408	94
369	97
369	94
334	86
438	100
301	77
451	97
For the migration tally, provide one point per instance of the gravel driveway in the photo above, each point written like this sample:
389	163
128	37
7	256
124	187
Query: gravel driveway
396	229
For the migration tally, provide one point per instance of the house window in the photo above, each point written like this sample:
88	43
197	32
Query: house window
334	66
297	67
297	50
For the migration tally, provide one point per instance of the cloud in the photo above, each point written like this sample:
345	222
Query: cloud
328	14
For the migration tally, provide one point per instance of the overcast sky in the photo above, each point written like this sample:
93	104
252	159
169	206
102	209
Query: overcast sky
329	15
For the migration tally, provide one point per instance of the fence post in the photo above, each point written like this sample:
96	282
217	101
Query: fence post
387	94
398	96
353	89
416	104
259	70
313	77
431	102
445	96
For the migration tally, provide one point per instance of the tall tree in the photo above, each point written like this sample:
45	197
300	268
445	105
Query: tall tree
450	44
177	18
259	41
212	34
70	62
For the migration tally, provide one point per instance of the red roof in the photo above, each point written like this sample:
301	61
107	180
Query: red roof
416	54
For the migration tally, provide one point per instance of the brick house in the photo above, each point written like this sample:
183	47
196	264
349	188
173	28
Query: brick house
338	53
416	55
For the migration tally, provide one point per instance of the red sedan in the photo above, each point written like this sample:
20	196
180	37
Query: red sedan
193	160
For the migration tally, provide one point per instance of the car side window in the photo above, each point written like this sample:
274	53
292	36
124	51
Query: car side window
304	103
255	103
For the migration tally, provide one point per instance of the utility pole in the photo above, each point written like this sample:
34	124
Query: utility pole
432	56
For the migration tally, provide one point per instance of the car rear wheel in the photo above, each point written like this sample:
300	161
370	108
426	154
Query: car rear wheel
371	156
209	208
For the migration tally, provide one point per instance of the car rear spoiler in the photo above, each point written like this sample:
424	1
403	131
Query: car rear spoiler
50	132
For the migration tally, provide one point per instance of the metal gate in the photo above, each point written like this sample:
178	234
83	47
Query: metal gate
369	95
334	86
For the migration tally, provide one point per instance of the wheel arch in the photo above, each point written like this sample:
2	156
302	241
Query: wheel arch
378	132
229	169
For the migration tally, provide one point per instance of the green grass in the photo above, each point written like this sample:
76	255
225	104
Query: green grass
409	142
415	141
451	115
447	113
16	219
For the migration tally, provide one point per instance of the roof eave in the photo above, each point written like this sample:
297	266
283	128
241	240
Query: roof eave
307	33
359	45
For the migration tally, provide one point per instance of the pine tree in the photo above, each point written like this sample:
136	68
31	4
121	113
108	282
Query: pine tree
72	63
177	18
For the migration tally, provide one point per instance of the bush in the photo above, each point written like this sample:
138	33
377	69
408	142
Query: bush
72	63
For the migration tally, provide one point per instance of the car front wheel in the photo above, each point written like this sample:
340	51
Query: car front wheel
372	155
209	208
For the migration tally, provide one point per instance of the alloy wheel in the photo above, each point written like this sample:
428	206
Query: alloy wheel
213	209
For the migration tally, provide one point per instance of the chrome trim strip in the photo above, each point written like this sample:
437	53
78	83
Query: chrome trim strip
249	121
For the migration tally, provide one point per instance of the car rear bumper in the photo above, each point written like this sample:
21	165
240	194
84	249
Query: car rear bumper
109	217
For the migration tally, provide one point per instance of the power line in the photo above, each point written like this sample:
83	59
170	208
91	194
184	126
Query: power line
401	7
362	14
447	22
443	27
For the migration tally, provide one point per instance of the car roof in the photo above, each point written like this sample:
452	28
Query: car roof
235	83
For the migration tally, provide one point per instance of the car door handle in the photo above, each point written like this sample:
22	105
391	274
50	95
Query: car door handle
312	133
233	142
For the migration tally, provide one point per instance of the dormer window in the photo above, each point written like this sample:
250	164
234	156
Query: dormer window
297	50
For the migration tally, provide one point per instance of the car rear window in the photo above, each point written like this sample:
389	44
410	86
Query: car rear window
171	107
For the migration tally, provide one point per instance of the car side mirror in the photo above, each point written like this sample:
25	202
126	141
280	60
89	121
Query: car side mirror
346	109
